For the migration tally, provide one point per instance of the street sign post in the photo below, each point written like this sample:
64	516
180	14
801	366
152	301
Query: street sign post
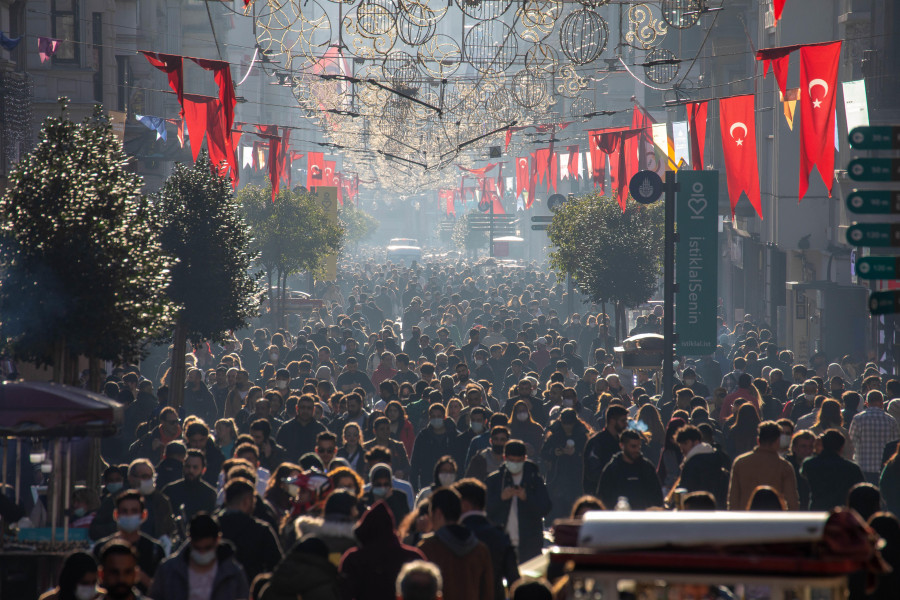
874	234
874	202
874	169
875	138
878	267
882	303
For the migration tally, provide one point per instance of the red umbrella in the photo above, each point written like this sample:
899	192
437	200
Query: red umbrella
53	410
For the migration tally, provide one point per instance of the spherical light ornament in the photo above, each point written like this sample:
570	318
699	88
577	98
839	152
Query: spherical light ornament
490	47
583	36
400	69
416	23
681	14
376	17
541	59
440	56
528	90
661	66
484	10
581	107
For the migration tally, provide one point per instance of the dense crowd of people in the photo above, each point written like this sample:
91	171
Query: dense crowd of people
419	434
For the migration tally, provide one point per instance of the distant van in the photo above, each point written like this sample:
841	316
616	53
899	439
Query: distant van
404	250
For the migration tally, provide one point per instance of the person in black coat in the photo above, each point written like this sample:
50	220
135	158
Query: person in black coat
830	476
435	441
630	475
198	400
503	555
257	546
192	491
518	486
701	470
171	468
198	438
601	447
562	454
298	436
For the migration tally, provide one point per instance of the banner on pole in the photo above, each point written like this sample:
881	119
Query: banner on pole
696	262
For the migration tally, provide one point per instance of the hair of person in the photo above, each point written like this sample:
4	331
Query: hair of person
472	491
247	449
629	435
75	566
419	580
117	547
140	462
587	502
238	489
203	526
688	433
175	448
194	453
342	472
444	460
527	588
379	454
832	441
865	499
615	411
514	448
700	500
766	498
447	500
769	432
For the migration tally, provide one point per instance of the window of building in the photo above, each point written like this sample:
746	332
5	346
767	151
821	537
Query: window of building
64	17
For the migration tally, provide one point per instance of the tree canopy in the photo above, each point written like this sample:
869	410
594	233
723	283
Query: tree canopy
611	255
291	234
467	239
203	228
83	270
358	225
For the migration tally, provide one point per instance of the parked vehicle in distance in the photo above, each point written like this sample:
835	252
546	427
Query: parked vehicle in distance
404	250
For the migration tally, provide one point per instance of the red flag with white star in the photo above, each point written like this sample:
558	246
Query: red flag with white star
521	175
818	87
737	120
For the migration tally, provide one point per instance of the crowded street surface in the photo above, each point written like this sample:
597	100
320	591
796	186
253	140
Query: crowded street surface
464	300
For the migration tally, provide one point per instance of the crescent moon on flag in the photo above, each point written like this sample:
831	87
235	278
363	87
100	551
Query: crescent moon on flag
816	82
737	125
523	162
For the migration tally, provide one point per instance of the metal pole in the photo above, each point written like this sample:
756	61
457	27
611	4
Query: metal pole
669	287
491	200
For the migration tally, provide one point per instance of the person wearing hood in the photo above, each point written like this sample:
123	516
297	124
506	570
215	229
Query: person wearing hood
204	567
701	469
334	527
436	440
563	454
382	489
465	563
256	545
369	571
518	501
306	572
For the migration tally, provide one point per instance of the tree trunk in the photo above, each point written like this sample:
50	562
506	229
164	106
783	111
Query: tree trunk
177	373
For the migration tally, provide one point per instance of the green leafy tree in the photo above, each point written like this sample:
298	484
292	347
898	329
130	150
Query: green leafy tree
358	225
212	284
465	238
611	255
83	271
291	235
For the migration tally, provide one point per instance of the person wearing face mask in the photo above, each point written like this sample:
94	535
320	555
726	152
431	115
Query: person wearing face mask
204	567
518	501
381	488
487	460
130	514
563	456
524	428
113	480
435	441
383	428
482	368
160	522
445	475
689	379
77	579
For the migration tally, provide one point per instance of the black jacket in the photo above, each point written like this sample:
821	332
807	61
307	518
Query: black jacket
196	496
531	512
703	471
256	545
503	555
598	451
427	450
636	481
298	439
830	478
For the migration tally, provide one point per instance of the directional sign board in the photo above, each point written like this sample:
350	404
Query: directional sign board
878	267
875	138
541	219
882	303
874	169
540	227
874	202
874	234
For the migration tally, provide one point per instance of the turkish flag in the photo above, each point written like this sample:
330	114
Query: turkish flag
328	175
779	58
778	8
547	165
818	84
737	120
521	175
574	160
697	125
598	158
315	170
532	181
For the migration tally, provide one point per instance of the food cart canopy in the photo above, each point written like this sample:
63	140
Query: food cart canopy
53	410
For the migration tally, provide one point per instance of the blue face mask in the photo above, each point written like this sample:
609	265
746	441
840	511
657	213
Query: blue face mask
379	491
115	487
129	523
437	423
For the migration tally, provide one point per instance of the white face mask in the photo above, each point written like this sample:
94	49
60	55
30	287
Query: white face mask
522	416
514	467
477	427
203	558
478	362
446	479
810	397
281	385
86	592
147	487
273	356
568	402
